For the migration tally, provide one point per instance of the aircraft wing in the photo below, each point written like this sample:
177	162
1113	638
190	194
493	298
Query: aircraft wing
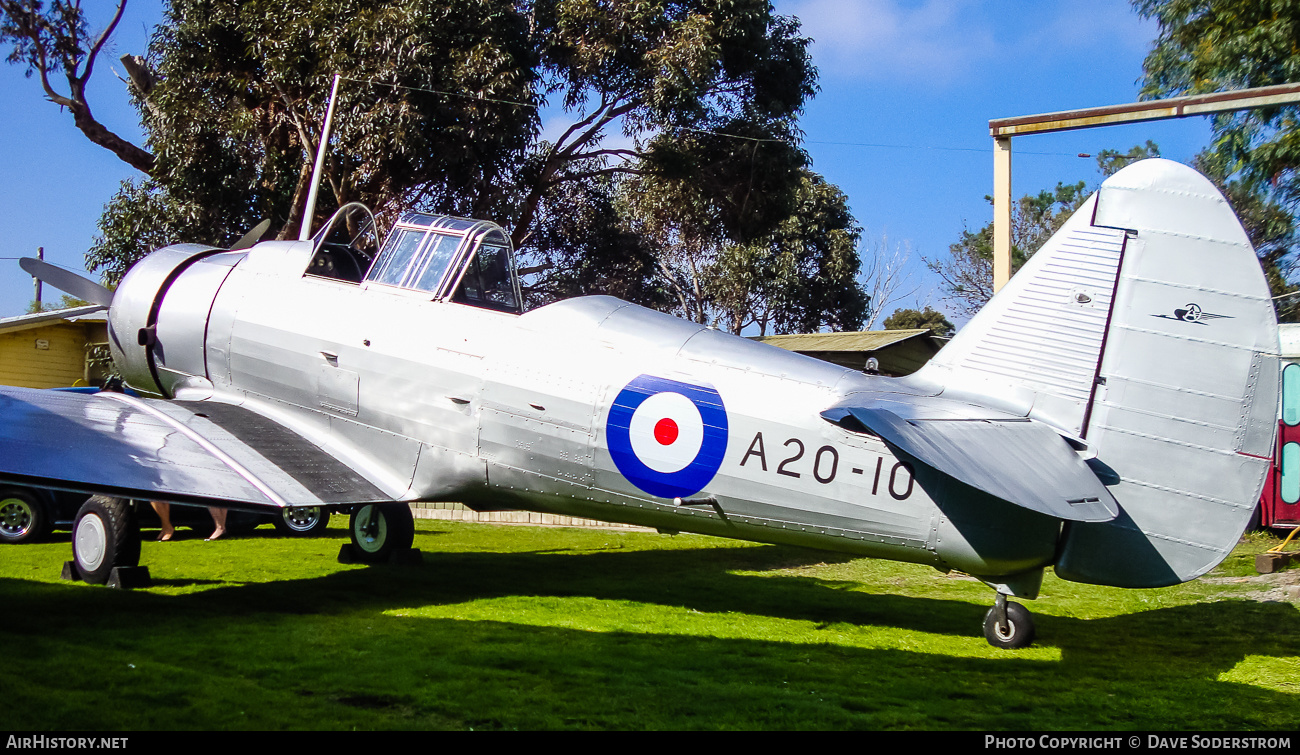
181	451
1016	459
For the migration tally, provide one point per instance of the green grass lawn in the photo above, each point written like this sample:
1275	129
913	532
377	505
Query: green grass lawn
549	628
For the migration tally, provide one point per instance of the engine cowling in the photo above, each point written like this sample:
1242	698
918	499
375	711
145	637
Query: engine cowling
138	352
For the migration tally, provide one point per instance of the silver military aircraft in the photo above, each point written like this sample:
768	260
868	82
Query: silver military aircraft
1109	414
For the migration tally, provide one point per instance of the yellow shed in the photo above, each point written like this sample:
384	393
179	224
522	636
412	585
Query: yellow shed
54	349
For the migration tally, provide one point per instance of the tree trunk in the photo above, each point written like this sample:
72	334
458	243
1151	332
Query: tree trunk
296	204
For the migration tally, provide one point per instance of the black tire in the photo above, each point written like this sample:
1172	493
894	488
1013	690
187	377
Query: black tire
242	522
203	527
302	521
23	517
379	530
1018	633
106	535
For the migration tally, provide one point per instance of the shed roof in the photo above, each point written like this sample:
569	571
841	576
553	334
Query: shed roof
865	340
91	312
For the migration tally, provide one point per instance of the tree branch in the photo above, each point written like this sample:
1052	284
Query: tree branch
559	155
629	153
612	111
64	32
99	43
584	122
579	176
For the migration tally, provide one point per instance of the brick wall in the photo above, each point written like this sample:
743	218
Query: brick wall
458	512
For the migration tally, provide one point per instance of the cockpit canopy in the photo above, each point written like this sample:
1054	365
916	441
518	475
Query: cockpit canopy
451	259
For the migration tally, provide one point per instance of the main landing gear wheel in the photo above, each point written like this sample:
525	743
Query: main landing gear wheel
303	521
105	536
1016	628
381	530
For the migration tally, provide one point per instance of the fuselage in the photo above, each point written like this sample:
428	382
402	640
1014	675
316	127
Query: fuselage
591	407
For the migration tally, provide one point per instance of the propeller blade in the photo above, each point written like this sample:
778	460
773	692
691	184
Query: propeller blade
68	282
253	236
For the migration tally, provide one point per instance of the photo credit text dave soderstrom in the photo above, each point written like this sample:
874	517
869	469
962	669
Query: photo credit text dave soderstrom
1136	742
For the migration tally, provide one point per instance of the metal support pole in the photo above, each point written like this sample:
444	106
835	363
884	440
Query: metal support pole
40	255
1001	212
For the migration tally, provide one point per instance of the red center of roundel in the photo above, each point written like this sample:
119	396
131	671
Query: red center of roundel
665	431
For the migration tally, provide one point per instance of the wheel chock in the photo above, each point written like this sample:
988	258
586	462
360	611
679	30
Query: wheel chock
1267	563
70	572
129	577
409	557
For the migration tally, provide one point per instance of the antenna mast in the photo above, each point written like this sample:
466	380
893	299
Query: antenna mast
309	212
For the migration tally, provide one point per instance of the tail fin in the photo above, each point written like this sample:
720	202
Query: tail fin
1144	328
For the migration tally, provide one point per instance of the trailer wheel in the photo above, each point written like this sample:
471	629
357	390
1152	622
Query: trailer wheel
302	521
106	535
23	518
380	530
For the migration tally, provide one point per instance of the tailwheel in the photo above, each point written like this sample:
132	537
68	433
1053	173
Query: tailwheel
106	543
380	532
1008	625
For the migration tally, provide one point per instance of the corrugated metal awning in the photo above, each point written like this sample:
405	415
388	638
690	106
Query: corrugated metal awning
866	340
23	322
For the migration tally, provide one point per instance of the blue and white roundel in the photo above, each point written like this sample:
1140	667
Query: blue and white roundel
667	437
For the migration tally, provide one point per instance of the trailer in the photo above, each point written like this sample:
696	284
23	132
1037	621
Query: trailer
1279	506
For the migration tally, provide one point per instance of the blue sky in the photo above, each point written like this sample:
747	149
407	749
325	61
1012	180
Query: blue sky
900	123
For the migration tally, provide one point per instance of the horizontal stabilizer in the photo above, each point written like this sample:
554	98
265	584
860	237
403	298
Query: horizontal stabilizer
185	452
1017	460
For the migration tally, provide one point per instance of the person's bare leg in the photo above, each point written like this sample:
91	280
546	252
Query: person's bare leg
164	511
218	518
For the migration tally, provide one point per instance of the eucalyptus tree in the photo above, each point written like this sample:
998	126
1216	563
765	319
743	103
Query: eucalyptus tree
909	319
1207	46
238	91
651	243
691	104
584	245
703	94
801	277
1255	157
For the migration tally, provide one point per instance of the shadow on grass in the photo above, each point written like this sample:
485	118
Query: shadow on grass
336	652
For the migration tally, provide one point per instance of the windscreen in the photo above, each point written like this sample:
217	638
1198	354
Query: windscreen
414	258
396	257
437	257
